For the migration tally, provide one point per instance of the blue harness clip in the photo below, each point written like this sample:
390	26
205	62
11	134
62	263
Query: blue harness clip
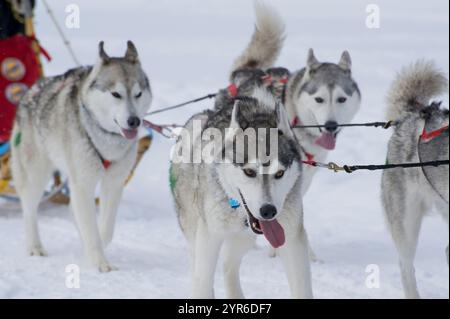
234	203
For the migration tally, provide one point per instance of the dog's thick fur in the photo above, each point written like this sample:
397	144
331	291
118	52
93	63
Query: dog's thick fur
266	43
202	191
408	194
327	81
73	123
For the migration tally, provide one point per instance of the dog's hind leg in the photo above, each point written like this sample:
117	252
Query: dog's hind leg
295	257
443	208
406	239
405	218
207	250
234	250
31	171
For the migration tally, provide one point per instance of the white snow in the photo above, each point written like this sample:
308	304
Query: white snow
187	47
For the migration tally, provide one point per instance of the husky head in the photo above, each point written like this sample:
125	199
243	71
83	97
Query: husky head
262	181
117	92
328	96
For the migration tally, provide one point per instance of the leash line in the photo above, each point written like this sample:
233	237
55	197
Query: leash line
206	97
353	168
61	34
384	125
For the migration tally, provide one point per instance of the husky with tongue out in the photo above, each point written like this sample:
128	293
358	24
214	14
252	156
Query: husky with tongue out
249	186
321	94
85	124
235	194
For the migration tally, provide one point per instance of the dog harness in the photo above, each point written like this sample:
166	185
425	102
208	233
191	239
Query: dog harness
268	80
428	136
310	158
106	163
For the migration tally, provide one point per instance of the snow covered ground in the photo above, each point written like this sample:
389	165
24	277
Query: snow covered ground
187	47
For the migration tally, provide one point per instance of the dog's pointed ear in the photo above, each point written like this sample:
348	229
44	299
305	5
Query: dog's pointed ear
234	123
346	61
132	54
234	126
104	57
312	60
284	124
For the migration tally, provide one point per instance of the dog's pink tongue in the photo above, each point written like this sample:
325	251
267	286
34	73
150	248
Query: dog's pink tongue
273	232
130	134
327	141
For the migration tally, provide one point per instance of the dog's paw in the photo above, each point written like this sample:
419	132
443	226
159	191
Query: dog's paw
106	267
37	251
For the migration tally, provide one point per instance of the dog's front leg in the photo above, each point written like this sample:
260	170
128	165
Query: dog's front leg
110	195
83	205
207	249
295	257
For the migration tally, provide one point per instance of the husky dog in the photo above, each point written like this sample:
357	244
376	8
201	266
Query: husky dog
324	94
408	194
84	123
320	93
228	203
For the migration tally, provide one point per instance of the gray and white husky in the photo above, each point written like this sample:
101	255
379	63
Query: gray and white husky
421	135
321	93
227	203
84	123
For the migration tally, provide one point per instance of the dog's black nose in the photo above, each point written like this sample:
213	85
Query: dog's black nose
268	211
331	126
133	122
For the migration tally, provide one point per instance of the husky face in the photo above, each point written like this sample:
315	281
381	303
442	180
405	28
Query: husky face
117	92
262	186
329	96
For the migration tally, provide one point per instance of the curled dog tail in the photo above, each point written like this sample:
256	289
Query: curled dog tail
414	87
267	40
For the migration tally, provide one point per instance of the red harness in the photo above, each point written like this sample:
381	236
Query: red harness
232	90
428	136
267	79
309	157
106	163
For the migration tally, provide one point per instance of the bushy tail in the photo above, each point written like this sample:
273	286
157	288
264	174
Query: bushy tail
414	87
267	40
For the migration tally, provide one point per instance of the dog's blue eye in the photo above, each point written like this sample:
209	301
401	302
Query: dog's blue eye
139	95
116	95
250	173
319	100
342	100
